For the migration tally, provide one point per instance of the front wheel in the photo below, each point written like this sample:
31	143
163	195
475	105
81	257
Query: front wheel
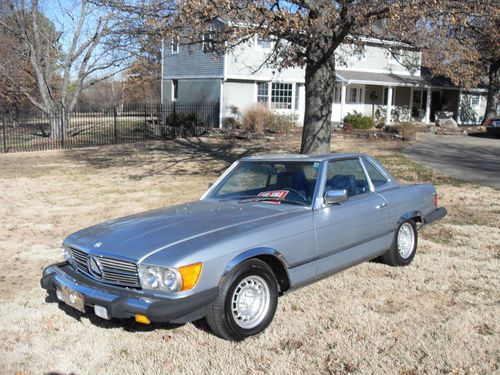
247	301
404	245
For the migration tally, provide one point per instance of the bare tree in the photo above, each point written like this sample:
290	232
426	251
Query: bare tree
462	42
60	73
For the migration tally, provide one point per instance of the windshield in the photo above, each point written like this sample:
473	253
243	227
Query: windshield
274	182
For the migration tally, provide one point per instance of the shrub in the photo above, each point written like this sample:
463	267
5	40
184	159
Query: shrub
182	120
256	118
282	124
358	121
230	123
407	129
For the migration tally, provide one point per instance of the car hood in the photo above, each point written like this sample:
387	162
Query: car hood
137	236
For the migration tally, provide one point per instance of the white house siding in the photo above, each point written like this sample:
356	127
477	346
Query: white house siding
244	63
238	93
243	94
374	59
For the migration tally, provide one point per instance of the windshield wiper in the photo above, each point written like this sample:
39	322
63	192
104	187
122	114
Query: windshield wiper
248	198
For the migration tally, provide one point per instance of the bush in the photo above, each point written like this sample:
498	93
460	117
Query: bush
407	129
282	124
358	121
256	118
182	120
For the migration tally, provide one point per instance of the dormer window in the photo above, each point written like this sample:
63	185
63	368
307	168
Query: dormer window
174	45
208	42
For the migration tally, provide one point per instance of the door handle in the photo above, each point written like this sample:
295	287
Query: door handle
382	205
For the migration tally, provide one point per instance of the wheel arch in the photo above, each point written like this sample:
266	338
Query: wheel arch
412	215
271	257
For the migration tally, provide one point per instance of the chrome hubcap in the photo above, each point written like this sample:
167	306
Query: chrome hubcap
250	302
406	240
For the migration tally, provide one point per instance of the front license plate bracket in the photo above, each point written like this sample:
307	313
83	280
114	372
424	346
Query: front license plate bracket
73	298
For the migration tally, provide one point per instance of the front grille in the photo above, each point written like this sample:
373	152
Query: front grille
114	271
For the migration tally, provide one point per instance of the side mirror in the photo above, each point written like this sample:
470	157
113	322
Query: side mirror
210	184
335	196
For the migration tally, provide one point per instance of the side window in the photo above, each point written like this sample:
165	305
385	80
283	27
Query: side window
348	175
378	179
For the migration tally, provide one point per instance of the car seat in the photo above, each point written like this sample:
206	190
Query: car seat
344	182
295	180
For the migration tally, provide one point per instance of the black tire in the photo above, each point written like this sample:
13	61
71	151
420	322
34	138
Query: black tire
220	316
393	257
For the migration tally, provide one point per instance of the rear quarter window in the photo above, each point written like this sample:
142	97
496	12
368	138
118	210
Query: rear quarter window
377	177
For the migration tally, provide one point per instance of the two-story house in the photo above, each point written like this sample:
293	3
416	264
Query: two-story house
373	81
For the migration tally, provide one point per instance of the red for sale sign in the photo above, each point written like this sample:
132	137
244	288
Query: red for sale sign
280	194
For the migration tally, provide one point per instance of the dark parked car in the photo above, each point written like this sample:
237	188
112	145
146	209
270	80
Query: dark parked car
493	126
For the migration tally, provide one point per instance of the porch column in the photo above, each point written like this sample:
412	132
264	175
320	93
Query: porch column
427	118
389	106
342	102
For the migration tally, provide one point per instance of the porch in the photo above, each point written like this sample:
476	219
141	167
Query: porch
406	98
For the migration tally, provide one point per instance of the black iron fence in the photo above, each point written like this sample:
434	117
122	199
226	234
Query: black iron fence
91	126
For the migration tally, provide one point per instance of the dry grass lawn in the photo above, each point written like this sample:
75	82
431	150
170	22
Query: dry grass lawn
440	315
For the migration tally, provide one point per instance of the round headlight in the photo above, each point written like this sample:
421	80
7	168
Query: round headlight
68	256
171	279
150	277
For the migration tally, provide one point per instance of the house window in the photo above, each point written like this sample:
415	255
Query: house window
474	100
386	92
175	90
336	94
355	95
263	43
174	45
207	42
262	92
419	103
281	96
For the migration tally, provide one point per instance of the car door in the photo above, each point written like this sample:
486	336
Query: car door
355	230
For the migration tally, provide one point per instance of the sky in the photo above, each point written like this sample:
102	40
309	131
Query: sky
65	15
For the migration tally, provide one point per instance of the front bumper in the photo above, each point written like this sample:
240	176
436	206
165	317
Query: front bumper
437	214
126	303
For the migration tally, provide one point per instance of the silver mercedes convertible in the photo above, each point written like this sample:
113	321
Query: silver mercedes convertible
267	226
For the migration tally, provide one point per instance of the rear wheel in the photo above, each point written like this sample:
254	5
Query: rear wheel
247	301
404	245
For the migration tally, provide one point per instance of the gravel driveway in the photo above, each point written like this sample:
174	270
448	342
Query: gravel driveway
473	159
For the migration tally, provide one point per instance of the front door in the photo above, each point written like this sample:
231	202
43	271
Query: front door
355	230
435	104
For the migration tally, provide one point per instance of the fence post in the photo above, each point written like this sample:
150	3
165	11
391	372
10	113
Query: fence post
174	120
115	130
3	134
145	135
62	126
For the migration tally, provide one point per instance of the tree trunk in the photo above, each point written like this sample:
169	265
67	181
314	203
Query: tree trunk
319	86
493	98
58	121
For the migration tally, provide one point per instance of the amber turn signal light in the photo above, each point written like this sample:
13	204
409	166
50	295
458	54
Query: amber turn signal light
190	275
142	319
